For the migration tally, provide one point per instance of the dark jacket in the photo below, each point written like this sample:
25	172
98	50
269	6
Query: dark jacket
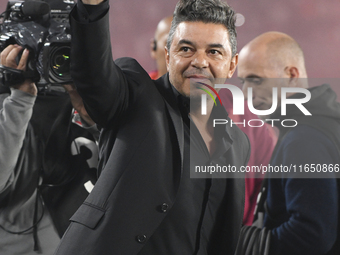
46	174
301	211
141	150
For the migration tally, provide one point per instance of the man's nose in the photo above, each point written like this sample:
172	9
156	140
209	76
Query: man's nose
200	60
245	90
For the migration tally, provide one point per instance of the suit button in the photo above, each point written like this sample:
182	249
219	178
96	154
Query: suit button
164	207
141	238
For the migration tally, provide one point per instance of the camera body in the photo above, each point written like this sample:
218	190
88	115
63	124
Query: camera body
45	32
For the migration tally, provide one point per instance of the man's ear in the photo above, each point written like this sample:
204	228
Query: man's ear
167	57
293	73
233	65
153	48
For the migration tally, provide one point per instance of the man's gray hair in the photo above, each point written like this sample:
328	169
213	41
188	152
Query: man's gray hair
207	11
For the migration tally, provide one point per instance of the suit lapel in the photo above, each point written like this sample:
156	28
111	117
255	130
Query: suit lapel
164	87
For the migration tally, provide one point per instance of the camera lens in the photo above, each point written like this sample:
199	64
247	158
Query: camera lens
60	62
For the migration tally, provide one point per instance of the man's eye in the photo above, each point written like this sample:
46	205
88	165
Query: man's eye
185	49
256	81
214	52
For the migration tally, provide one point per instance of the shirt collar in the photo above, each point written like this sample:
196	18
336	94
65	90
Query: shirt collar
218	112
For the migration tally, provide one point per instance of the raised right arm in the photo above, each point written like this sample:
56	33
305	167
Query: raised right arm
99	81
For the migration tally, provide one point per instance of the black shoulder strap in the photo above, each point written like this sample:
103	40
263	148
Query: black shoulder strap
261	199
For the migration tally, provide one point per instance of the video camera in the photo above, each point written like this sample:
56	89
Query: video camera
41	26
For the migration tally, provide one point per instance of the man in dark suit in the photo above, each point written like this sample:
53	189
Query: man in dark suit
145	201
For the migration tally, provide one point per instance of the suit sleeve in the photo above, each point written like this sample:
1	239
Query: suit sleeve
99	81
16	111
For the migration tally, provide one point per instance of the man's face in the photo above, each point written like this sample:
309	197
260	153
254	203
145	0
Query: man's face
160	54
255	71
161	37
199	51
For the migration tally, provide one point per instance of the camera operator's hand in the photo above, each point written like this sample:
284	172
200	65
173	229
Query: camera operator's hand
8	59
78	104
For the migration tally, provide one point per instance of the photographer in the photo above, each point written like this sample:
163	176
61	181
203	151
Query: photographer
47	162
48	151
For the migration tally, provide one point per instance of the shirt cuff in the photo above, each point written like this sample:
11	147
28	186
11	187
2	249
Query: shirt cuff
21	96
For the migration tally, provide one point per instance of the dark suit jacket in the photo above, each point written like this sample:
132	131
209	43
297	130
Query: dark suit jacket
141	152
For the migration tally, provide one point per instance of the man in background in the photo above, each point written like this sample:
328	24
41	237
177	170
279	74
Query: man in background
300	210
157	47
